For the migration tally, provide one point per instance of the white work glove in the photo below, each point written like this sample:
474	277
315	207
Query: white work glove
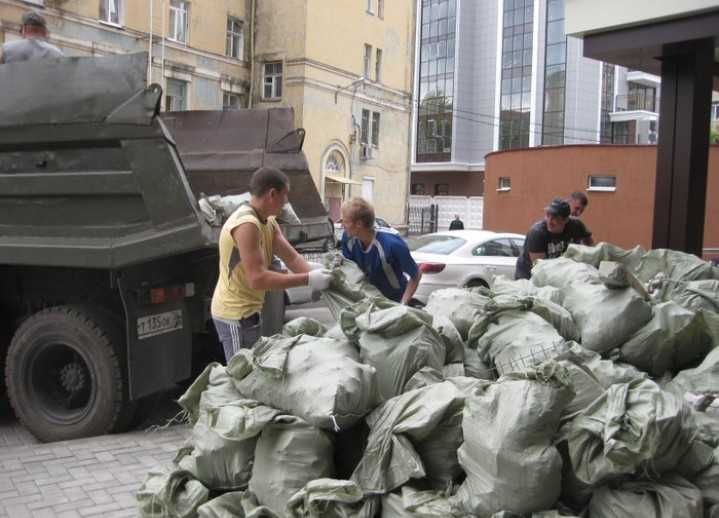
319	280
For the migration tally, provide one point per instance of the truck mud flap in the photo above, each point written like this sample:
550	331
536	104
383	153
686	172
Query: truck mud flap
159	343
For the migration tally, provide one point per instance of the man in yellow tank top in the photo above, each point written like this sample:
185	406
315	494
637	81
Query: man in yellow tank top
248	240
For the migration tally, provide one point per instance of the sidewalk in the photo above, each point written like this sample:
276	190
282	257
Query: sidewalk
84	477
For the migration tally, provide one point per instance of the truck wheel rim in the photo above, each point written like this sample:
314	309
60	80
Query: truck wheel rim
61	382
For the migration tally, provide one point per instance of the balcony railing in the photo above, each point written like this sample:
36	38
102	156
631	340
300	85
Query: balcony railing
636	101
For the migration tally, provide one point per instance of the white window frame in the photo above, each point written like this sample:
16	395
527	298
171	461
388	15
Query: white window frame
378	66
275	82
367	60
601	188
181	11
231	35
185	92
120	13
504	184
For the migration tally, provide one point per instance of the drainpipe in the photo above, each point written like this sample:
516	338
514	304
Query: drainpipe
149	49
412	104
252	53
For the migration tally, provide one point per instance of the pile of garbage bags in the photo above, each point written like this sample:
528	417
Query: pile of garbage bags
591	390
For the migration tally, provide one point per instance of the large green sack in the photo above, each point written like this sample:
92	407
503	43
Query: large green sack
348	285
561	272
674	265
212	388
318	379
331	498
174	494
669	496
289	454
673	339
606	317
633	427
397	342
460	305
703	379
238	504
304	326
403	428
594	255
512	340
453	341
222	447
708	482
413	503
702	295
508	452
525	288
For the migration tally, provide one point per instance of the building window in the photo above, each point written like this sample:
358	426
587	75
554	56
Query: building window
380	9
231	101
516	85
504	183
418	189
555	75
370	128
375	129
110	11
623	132
602	183
441	189
436	81
378	66
178	20
715	111
607	102
367	60
235	45
175	95
273	81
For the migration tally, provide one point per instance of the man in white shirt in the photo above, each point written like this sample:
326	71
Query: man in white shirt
33	45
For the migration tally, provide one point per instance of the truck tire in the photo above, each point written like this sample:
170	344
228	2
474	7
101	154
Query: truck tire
63	374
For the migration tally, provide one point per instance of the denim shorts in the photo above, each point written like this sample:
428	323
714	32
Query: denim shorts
235	334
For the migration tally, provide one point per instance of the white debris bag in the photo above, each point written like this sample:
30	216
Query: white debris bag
174	494
348	285
460	305
508	452
331	498
290	453
594	255
318	379
674	265
212	388
561	272
413	503
525	288
703	379
304	326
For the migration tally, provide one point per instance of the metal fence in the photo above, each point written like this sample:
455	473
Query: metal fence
423	220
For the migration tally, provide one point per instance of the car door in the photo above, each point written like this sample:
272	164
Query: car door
499	256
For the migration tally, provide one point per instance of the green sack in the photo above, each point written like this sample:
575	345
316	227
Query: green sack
561	272
669	496
606	317
672	340
460	305
453	342
348	285
703	379
702	295
633	427
674	265
594	255
397	342
331	498
318	379
174	494
413	503
525	288
238	504
212	388
508	452
474	367
403	427
290	453
708	482
304	326
223	446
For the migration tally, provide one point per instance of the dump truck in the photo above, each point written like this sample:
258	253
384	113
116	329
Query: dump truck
107	262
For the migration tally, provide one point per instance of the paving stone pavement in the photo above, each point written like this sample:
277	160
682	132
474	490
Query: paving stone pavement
84	477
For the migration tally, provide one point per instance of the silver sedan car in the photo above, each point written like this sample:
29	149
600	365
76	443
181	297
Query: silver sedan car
463	258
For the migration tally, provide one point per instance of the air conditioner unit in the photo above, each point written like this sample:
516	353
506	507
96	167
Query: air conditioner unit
365	152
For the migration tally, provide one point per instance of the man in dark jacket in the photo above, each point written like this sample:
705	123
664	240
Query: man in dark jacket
456	223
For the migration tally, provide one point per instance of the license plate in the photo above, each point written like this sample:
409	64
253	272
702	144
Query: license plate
160	323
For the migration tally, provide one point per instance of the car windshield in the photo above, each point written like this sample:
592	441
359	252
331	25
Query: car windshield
439	244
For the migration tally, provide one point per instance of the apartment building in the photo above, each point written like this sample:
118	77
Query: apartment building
502	74
346	69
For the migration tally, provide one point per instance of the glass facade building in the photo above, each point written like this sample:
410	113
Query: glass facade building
555	75
436	80
608	75
516	85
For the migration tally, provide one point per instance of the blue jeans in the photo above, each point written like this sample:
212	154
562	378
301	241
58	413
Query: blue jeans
235	334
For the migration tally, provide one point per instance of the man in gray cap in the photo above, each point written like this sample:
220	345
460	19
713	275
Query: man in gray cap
33	45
